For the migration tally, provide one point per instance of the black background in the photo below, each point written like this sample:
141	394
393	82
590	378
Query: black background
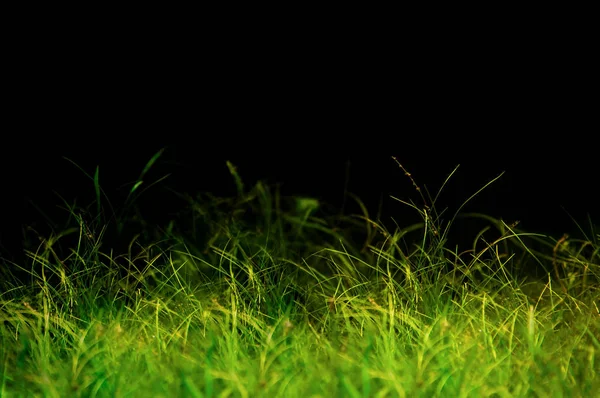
542	186
316	119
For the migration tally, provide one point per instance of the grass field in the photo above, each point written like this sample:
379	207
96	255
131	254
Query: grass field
260	295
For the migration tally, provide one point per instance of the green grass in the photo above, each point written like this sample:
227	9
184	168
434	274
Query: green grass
262	295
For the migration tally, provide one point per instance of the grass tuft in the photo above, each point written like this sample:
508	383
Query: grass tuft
264	295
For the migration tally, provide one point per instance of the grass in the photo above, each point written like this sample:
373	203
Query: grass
262	295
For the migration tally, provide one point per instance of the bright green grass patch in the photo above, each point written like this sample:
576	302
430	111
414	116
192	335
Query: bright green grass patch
282	300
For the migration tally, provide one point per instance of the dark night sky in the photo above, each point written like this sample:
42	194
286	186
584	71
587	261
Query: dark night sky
536	183
300	122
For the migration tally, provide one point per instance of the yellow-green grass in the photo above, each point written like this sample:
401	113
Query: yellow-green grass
282	300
